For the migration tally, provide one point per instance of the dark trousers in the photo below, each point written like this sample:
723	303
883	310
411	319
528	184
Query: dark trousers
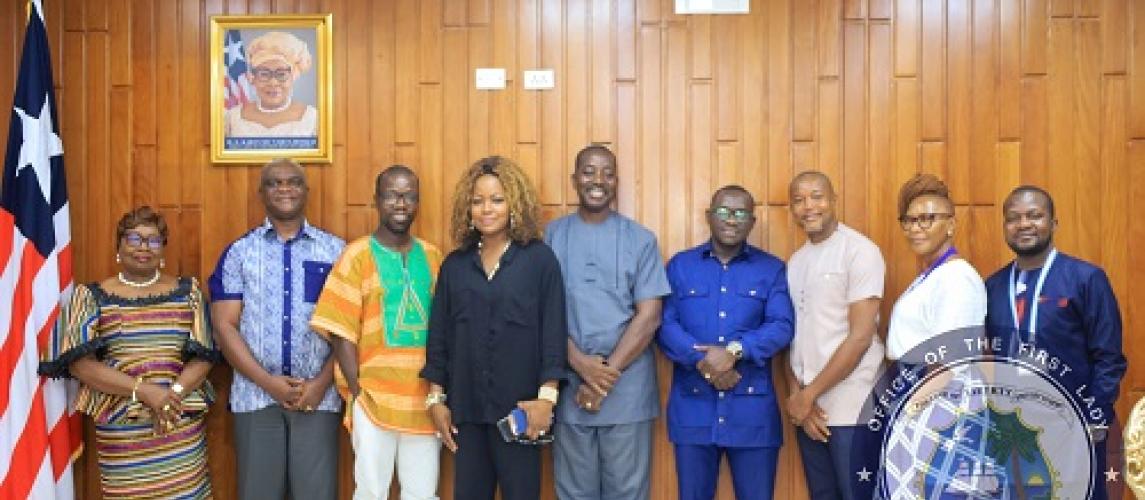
698	469
279	450
1101	487
832	469
484	461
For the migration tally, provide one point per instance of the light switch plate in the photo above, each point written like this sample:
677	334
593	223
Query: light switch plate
489	78
539	79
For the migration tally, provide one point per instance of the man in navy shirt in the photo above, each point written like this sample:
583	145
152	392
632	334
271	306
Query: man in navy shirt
1074	316
728	314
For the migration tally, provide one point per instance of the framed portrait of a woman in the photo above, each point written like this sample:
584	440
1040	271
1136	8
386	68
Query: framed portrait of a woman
271	90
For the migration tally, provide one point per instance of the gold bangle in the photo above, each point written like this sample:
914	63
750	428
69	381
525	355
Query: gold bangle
138	382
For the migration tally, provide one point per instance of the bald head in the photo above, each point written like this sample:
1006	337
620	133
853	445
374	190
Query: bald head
812	176
284	164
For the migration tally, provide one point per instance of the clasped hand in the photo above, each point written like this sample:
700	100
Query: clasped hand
718	367
165	406
296	394
804	412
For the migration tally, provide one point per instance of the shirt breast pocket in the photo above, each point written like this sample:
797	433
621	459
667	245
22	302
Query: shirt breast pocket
751	304
693	300
314	276
830	285
522	312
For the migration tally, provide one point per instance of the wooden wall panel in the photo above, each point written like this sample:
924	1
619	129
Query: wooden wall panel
985	93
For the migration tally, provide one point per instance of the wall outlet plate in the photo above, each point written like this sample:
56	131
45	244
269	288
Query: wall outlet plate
489	78
539	79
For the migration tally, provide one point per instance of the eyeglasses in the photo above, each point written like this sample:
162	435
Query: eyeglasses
726	214
292	183
924	221
392	197
135	240
265	75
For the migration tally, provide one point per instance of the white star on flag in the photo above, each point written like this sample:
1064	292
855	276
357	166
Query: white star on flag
864	475
39	146
235	51
1111	475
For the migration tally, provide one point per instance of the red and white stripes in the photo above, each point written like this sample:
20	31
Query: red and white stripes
40	433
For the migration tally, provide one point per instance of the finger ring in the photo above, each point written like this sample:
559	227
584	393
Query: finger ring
309	408
605	395
437	435
588	405
708	376
167	407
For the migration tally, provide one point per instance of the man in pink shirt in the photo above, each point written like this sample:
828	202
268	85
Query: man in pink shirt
836	284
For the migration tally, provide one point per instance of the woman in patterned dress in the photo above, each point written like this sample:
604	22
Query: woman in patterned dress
140	344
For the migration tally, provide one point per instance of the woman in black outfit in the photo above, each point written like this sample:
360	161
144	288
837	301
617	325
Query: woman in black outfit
497	333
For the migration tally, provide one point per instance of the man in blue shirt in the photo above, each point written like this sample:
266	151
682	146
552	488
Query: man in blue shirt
728	314
263	290
1073	317
614	280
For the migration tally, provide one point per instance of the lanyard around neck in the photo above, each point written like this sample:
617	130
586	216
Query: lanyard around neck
1033	307
950	252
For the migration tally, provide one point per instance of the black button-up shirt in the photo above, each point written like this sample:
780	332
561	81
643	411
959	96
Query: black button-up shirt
494	342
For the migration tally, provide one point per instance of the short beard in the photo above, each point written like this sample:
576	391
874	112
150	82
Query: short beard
400	231
1032	251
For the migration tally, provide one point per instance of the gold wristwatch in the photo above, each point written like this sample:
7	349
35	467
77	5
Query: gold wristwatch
735	348
434	398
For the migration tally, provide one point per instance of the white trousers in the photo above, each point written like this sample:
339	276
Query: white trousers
376	450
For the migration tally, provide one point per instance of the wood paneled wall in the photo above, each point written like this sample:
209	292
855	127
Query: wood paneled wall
985	93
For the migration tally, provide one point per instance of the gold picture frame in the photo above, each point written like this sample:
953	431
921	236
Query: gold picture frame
271	88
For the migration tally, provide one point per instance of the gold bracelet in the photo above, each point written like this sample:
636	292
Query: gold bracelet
138	382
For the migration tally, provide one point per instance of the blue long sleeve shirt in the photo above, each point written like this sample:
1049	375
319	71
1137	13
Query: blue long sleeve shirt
712	304
1078	322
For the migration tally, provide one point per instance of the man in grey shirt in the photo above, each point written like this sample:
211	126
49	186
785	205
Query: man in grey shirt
614	281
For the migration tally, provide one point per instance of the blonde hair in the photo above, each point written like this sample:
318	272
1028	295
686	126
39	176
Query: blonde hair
281	46
524	209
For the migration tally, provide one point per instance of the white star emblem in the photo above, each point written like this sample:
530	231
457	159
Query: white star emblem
234	52
39	146
1111	475
864	475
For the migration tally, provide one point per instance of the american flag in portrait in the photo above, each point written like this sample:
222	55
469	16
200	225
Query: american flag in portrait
40	432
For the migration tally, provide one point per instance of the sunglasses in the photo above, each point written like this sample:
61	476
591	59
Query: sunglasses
726	214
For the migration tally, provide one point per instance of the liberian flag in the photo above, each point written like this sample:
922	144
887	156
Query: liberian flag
236	83
40	433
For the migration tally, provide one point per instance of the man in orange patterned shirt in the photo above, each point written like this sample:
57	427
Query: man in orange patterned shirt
375	309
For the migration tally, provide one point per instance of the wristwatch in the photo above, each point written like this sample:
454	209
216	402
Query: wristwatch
550	394
434	398
735	348
178	388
